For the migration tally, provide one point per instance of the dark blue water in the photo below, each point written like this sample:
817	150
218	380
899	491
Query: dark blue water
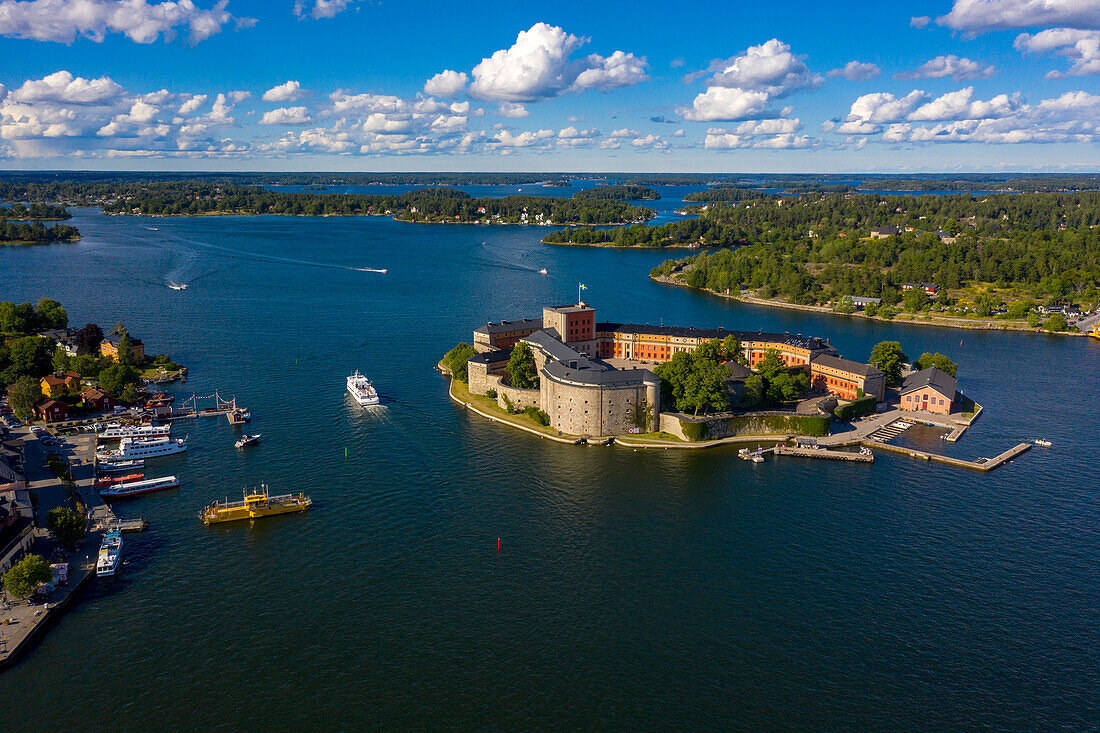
633	589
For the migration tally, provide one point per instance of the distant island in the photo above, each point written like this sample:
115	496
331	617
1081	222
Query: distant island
618	193
21	224
425	205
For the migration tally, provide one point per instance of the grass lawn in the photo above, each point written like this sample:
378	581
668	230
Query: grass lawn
488	405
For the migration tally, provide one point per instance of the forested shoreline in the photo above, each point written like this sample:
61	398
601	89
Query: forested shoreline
429	205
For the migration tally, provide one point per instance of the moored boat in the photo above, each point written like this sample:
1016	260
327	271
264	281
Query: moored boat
362	390
105	481
255	504
109	466
143	448
134	431
110	554
136	488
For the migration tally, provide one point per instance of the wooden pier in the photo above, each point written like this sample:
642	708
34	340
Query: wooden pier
832	455
977	465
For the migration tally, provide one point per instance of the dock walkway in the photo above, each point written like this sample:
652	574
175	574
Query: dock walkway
834	455
977	465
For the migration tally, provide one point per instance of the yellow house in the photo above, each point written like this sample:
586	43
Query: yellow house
56	385
109	348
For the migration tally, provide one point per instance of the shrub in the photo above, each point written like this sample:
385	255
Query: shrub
856	408
491	394
537	415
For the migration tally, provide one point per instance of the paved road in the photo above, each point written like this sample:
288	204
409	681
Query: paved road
1087	323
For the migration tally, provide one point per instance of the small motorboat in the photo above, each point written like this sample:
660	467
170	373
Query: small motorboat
247	440
542	271
1043	442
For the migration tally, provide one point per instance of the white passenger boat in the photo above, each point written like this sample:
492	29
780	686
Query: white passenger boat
134	431
135	488
108	466
110	554
362	390
143	448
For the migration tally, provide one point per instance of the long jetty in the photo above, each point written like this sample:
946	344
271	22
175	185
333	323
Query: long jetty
978	465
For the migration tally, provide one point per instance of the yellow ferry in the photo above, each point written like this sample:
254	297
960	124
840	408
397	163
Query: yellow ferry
1095	332
256	504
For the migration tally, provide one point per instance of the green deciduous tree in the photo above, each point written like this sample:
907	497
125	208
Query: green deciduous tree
937	360
125	350
31	356
116	378
66	525
25	393
889	358
61	361
50	314
26	575
521	367
1057	322
694	380
456	361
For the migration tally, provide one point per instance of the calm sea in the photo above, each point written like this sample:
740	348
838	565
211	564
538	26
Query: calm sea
634	590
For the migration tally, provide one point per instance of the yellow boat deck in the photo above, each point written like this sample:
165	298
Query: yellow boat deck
255	504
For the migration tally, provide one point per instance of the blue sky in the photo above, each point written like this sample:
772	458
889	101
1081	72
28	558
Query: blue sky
587	86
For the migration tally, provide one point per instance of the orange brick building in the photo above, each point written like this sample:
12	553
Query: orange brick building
846	379
929	389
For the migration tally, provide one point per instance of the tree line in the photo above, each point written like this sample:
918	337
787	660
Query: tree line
201	196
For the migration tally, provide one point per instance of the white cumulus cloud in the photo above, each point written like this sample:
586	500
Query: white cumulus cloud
512	109
62	86
977	16
1082	47
291	91
141	21
539	65
446	84
286	116
725	103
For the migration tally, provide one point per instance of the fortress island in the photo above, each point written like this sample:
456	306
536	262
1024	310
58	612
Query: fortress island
601	379
567	377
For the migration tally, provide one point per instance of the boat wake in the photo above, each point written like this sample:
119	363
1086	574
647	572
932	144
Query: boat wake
260	257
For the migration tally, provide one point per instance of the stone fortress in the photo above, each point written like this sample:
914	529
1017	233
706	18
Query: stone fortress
596	379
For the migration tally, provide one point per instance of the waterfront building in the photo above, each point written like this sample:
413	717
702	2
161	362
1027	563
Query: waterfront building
847	379
929	389
109	347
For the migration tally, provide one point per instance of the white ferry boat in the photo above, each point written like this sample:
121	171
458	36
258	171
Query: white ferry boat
103	466
143	448
362	390
110	554
134	488
134	431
